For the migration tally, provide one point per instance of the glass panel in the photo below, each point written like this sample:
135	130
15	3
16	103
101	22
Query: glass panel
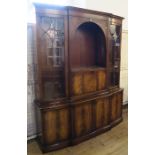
52	55
52	34
48	90
52	89
115	31
114	78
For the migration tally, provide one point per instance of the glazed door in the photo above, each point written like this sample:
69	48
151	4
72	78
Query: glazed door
51	56
114	53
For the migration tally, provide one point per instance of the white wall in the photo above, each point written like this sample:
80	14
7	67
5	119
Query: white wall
124	66
118	7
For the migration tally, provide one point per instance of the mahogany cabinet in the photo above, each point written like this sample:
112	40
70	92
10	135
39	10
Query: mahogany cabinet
78	69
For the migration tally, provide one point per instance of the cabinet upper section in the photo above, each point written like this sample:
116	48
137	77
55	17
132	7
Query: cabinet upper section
78	51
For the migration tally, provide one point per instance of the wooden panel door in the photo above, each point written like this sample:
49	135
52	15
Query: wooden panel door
64	124
102	112
55	125
82	118
116	106
49	127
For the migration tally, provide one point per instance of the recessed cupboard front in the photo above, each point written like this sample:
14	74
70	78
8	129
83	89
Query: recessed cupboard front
78	69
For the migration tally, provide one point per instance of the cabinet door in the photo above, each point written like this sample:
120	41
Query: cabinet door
82	118
114	55
102	112
55	126
116	106
90	116
50	51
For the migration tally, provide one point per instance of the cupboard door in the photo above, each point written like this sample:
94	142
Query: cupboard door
83	118
63	124
116	106
102	112
50	51
49	127
55	125
119	104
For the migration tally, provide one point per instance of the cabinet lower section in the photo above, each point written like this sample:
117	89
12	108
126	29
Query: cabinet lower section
73	122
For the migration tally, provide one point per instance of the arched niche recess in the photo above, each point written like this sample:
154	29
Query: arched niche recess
90	46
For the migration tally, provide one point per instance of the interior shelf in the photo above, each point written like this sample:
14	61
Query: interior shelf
92	68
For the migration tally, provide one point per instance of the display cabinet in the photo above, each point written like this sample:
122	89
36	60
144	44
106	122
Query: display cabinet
78	70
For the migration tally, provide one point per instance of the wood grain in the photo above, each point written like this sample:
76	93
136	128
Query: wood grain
89	82
76	84
50	129
101	75
114	142
64	124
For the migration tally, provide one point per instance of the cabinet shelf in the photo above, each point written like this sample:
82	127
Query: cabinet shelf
93	68
54	56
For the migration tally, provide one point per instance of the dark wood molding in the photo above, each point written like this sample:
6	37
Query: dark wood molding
70	8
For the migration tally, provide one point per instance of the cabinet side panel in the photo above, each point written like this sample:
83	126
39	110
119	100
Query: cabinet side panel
116	106
102	112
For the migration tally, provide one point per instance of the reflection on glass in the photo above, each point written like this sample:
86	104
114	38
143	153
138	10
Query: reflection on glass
53	33
115	32
114	78
52	36
50	51
112	29
52	89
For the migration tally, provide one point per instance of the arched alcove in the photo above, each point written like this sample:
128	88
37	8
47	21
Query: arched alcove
90	46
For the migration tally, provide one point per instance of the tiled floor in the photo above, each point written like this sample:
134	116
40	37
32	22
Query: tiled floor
113	142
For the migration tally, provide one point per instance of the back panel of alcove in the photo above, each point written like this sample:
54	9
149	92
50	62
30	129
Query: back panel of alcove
83	44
